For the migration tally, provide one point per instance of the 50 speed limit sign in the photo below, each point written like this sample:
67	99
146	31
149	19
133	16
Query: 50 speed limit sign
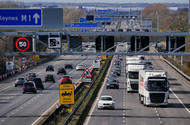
22	44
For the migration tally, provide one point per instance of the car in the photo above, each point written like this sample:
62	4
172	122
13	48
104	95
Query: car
29	86
80	67
66	79
113	79
38	83
117	62
61	71
116	72
111	75
30	76
49	68
111	84
106	101
68	66
116	69
20	81
49	77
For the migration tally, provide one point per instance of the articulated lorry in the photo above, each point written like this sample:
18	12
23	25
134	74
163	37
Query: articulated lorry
153	87
132	74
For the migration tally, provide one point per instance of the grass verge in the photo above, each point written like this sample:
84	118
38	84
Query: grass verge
81	114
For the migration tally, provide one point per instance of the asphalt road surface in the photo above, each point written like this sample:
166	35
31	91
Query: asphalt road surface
23	109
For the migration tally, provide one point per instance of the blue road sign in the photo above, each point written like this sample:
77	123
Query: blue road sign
103	19
82	20
68	25
20	17
84	25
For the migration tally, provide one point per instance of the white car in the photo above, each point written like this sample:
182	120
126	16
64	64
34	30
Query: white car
80	67
106	101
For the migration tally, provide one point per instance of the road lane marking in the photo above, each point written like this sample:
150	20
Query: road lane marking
180	101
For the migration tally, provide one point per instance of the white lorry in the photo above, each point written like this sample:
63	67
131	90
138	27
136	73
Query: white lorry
153	87
132	74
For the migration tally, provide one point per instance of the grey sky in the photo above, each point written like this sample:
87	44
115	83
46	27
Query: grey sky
110	1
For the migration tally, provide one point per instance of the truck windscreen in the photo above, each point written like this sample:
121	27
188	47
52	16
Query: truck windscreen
156	85
133	75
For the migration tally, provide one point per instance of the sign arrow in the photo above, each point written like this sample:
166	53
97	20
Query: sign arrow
36	16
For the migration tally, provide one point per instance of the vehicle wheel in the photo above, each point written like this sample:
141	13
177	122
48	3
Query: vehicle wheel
15	85
23	92
144	101
35	92
140	99
118	87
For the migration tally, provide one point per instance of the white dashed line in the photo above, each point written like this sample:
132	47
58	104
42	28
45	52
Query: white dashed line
2	120
180	101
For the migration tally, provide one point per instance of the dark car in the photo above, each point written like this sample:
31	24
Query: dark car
116	62
38	83
49	68
68	66
30	76
114	76
61	71
49	77
111	84
29	86
113	79
117	69
20	81
115	72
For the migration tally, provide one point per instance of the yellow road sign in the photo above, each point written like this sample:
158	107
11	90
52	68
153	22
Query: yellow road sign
66	93
104	57
36	58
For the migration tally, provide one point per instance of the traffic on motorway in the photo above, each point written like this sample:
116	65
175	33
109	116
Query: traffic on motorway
136	88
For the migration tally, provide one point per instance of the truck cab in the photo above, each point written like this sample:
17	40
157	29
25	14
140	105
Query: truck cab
153	87
132	72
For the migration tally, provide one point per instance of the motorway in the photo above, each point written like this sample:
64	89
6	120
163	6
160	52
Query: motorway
128	110
24	109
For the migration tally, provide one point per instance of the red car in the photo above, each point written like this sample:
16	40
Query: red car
66	79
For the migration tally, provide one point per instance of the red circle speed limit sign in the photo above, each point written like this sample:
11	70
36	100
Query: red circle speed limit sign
22	44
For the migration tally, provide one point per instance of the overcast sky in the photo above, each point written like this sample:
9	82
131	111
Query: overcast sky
110	1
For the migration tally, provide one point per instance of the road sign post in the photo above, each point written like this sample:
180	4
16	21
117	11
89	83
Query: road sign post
66	93
23	60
